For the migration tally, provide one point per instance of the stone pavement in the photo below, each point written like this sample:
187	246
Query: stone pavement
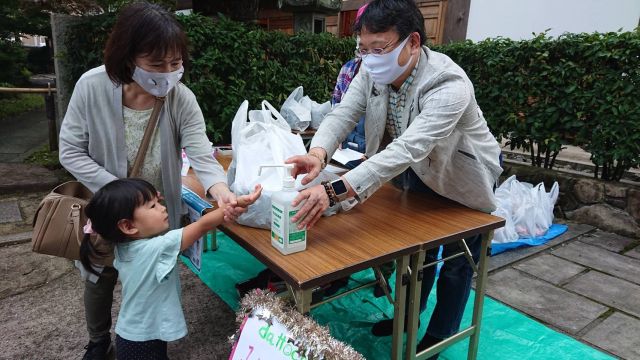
41	311
584	283
22	135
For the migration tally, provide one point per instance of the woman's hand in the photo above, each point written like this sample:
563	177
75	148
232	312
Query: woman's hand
246	200
316	201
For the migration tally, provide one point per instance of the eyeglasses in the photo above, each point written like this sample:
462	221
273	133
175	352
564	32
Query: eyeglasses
376	51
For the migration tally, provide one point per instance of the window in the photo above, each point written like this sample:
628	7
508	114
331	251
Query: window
318	25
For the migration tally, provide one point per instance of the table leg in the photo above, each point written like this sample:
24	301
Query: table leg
415	285
399	307
481	282
214	241
303	300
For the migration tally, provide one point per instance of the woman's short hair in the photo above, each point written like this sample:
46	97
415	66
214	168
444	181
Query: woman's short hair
403	16
142	29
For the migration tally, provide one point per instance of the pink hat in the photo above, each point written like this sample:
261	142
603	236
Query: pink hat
361	10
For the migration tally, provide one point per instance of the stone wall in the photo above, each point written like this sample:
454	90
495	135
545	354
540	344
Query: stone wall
610	206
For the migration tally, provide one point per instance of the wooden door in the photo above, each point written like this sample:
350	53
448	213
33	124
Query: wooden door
433	12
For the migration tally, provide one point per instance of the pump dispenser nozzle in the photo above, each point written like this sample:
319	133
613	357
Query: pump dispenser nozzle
289	181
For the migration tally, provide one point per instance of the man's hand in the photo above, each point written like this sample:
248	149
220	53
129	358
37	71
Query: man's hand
316	201
307	164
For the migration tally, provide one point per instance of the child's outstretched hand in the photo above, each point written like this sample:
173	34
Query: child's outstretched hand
245	200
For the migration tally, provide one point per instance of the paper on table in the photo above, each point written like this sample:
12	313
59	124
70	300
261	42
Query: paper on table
343	156
336	170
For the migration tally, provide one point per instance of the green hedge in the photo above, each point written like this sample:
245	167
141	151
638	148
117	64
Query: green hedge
231	62
13	63
579	89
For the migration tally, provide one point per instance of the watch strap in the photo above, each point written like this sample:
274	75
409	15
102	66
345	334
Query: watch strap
330	193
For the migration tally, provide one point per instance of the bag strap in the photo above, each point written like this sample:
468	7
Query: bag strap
74	218
146	138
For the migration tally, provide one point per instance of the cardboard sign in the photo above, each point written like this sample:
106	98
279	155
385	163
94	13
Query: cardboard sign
196	207
194	252
264	339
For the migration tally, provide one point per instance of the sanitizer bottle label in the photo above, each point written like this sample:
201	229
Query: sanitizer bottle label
295	235
277	225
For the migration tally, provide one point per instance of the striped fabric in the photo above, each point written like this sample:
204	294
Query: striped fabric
396	125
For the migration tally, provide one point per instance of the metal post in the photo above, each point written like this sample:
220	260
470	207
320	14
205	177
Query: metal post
50	110
481	282
417	261
399	307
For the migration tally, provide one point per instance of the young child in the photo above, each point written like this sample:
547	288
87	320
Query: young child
128	213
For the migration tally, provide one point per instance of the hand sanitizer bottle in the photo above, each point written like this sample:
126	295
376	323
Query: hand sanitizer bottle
285	235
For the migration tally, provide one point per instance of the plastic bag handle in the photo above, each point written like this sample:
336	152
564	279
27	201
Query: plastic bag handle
276	117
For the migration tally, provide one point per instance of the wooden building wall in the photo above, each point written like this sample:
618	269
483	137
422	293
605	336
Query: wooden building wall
444	20
273	19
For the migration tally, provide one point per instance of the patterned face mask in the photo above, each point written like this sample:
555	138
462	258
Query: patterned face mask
384	68
157	83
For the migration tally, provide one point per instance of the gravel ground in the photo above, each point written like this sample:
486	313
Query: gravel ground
42	317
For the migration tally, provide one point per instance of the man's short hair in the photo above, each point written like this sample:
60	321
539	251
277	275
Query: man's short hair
402	16
142	29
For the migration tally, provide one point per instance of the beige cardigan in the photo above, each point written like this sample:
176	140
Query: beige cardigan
92	144
447	143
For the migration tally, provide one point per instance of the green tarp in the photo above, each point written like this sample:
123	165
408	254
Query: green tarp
505	332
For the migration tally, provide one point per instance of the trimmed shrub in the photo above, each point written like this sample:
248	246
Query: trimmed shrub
579	89
231	62
13	63
539	94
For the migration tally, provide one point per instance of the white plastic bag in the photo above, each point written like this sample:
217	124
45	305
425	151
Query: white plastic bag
265	140
318	112
527	209
295	112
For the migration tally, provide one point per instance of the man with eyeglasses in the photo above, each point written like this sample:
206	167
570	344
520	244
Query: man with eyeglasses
424	132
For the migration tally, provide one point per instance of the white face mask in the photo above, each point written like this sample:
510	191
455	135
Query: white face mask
157	83
384	69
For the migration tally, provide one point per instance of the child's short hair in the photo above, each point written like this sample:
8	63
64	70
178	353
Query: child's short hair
114	202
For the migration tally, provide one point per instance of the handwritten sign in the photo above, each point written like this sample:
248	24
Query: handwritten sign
263	338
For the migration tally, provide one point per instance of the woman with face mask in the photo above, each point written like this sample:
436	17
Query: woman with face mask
424	132
104	125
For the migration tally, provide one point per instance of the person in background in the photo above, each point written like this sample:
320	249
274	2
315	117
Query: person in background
424	131
356	138
103	127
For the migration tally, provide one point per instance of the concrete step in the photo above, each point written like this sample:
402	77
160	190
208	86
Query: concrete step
12	239
26	177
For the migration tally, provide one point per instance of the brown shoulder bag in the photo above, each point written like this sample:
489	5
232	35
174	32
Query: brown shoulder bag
60	218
